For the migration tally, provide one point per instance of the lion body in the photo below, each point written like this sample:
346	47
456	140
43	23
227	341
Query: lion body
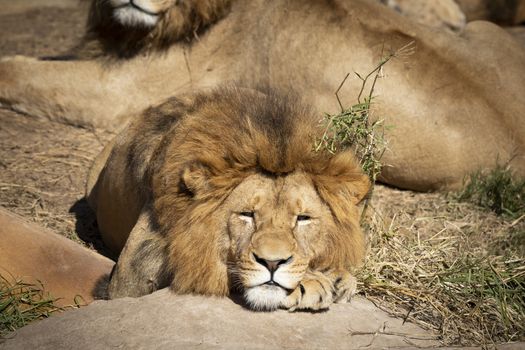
180	188
456	96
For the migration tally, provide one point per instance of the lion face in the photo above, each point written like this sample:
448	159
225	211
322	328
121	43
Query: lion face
139	13
276	228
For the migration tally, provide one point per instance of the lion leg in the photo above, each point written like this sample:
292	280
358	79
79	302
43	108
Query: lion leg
317	290
84	93
142	265
91	190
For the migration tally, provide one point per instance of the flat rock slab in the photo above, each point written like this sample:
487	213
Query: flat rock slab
166	321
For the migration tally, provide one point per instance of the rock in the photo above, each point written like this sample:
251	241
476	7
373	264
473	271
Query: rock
65	268
166	321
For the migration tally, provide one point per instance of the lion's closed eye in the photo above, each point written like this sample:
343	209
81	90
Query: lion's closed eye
247	216
303	219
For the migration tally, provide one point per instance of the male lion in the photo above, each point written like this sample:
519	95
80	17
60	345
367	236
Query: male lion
454	106
221	190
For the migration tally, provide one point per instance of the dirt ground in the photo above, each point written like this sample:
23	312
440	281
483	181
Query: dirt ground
43	165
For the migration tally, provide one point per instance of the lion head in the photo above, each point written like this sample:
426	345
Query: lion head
239	200
246	202
124	28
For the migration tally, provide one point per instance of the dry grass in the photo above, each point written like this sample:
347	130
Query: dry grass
446	266
42	173
43	167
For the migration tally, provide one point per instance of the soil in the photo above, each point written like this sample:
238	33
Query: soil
36	30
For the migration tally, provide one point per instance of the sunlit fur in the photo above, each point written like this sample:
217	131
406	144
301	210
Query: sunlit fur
126	32
204	159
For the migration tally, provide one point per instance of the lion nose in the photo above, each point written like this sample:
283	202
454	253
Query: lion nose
272	265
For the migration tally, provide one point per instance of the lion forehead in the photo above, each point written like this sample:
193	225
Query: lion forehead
254	192
300	194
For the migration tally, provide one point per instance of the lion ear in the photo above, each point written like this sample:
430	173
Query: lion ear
343	177
195	179
355	183
358	188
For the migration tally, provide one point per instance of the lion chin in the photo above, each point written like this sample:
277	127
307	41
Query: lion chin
133	17
137	13
265	297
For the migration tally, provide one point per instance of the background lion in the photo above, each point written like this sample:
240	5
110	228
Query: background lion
124	29
223	189
456	96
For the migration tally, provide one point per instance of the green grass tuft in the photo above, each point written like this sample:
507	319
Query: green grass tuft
353	127
22	303
496	190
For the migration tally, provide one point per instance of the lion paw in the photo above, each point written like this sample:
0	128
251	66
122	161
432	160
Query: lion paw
344	288
315	292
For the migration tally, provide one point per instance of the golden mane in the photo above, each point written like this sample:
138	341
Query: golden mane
222	138
183	21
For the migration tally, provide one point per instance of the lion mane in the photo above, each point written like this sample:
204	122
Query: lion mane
183	158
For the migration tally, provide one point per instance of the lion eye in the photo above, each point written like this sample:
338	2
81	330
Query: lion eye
247	214
303	218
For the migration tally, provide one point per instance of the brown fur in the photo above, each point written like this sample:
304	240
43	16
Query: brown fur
188	154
